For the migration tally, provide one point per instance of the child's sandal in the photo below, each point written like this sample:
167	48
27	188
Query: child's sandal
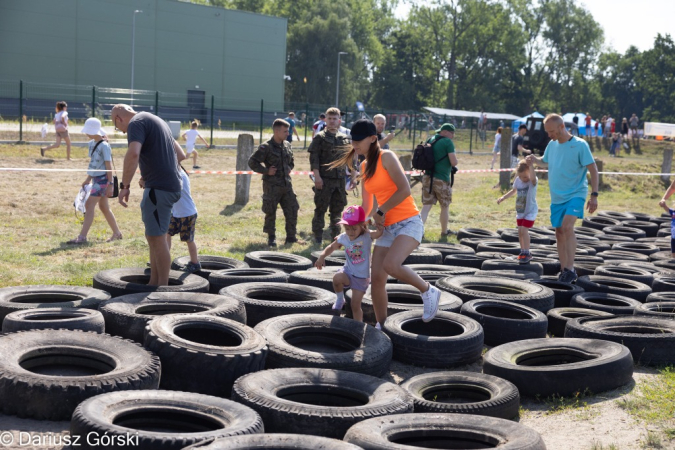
78	240
115	237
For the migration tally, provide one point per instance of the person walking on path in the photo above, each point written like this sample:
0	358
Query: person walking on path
568	159
496	150
436	186
385	182
357	240
61	127
153	147
330	190
290	120
190	137
274	159
525	189
100	176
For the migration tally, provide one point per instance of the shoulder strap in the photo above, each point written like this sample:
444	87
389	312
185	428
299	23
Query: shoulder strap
111	155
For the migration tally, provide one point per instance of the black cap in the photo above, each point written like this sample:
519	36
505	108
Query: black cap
363	128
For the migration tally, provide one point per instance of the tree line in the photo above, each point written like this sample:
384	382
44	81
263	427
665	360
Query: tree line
512	56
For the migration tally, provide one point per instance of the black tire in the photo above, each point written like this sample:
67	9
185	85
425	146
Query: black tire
403	297
662	310
642	248
617	215
512	248
127	316
661	243
56	318
663	232
133	280
324	342
666	264
609	255
648	266
223	278
660	297
431	430
610	285
589	250
589	232
514	274
615	239
446	249
440	268
597	246
432	276
45	374
563	292
649	228
504	322
602	301
19	298
319	402
598	223
558	317
641	216
463	393
585	269
663	283
464	233
209	264
473	242
625	272
288	262
651	341
423	255
166	420
203	353
450	340
546	367
511	235
502	264
266	300
633	233
337	258
661	255
279	441
464	260
496	288
314	277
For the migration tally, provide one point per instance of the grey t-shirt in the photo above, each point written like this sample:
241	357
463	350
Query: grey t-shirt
159	165
357	254
526	199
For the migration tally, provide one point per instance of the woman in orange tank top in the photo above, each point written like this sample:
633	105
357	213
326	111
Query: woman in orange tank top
384	180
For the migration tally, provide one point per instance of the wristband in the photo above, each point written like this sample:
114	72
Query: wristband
122	186
594	194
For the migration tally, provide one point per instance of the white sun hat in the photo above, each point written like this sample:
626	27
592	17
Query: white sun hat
93	126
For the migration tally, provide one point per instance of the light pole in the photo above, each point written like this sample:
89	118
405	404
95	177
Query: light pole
337	85
133	47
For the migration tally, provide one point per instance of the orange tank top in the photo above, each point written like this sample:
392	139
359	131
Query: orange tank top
383	187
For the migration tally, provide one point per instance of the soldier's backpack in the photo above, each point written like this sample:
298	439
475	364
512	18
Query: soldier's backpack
423	158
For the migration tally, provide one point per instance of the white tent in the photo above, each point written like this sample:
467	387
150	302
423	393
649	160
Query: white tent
476	114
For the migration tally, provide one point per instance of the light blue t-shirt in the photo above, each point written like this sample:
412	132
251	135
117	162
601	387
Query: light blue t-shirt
357	254
102	154
567	169
185	206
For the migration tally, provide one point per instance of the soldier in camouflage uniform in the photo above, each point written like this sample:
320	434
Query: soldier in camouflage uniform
274	159
329	184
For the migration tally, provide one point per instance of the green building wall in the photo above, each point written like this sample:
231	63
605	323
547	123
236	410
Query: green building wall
238	57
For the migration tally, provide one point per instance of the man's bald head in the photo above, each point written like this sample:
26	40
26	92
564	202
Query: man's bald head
554	119
120	115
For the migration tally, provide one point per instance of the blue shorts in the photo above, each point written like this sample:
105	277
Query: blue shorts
412	227
573	207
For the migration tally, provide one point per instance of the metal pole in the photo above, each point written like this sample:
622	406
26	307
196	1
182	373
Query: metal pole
133	50
213	101
20	110
261	120
306	123
93	101
157	103
337	85
471	138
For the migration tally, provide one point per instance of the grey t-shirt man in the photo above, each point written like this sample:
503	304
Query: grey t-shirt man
158	162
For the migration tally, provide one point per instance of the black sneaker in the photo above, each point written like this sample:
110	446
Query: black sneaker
568	277
272	241
193	267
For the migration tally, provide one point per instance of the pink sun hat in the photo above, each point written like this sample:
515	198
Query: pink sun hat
353	215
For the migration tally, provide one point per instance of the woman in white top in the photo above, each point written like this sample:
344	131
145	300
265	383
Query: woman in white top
61	126
496	148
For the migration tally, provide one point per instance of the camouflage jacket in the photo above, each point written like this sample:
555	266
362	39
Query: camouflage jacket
272	154
326	148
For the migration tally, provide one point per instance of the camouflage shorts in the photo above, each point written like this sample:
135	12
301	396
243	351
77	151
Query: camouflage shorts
440	191
184	226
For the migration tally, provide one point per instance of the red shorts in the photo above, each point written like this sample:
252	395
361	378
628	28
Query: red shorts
525	223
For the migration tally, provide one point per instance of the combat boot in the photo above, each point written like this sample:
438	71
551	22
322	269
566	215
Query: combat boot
272	241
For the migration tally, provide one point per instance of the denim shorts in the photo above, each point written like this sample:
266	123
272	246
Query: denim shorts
99	186
412	227
156	210
573	207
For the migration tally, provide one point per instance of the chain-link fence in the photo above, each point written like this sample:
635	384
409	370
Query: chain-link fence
25	107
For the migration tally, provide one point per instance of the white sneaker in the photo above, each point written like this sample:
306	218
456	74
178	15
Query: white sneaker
430	298
378	326
339	303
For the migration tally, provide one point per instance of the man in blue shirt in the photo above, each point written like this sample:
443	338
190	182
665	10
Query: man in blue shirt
291	129
568	159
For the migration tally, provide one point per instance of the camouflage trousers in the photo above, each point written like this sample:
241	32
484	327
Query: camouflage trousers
333	198
284	196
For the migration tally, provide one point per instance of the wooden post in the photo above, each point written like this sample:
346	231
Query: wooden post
667	165
243	182
600	164
406	162
505	159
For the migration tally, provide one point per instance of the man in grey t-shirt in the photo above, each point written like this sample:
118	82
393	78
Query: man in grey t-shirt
152	145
